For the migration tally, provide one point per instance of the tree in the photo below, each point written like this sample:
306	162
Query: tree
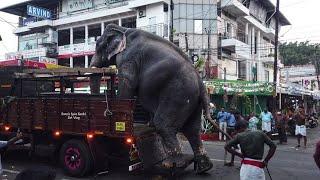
294	53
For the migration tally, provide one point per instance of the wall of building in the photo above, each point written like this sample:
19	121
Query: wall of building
231	69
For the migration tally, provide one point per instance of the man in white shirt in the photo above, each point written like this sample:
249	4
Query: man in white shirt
266	118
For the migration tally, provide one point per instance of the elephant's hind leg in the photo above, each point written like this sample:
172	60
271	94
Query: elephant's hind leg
191	130
167	122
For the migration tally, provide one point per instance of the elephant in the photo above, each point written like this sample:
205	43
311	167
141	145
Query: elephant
166	83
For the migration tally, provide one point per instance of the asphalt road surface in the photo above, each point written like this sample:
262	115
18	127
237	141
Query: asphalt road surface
288	163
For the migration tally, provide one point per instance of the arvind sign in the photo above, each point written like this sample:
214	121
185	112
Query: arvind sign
38	12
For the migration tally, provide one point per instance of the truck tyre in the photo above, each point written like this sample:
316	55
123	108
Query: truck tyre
76	158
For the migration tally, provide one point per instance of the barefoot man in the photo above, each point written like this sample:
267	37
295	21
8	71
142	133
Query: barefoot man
252	150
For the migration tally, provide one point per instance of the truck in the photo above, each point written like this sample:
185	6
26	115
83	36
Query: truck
85	132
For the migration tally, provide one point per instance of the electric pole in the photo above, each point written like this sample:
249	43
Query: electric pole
275	64
209	53
171	18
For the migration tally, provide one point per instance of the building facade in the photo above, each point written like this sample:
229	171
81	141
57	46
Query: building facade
232	36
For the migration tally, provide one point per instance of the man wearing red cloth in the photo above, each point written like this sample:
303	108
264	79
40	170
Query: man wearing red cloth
252	150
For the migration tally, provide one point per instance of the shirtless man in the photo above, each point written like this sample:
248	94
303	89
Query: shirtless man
252	150
301	130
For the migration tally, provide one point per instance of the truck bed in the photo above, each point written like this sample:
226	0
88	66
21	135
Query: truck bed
71	114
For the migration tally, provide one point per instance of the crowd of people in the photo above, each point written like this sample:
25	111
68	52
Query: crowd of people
267	122
250	134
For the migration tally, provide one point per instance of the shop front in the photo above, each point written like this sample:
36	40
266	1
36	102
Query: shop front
243	96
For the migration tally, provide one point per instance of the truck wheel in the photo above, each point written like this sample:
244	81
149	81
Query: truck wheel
75	158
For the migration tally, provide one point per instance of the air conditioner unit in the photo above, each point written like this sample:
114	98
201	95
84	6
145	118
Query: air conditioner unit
142	12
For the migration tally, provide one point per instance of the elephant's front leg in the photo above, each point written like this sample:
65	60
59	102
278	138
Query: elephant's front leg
127	81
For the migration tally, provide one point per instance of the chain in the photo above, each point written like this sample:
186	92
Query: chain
107	112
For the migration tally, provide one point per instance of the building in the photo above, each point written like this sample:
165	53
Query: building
303	75
65	31
235	36
247	31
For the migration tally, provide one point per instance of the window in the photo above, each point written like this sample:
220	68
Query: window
129	22
228	30
198	26
189	11
198	11
242	70
255	44
64	62
153	25
64	37
111	22
78	35
28	44
190	26
183	11
267	76
79	62
94	32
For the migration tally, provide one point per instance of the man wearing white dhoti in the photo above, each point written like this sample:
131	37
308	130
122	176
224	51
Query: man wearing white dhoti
252	150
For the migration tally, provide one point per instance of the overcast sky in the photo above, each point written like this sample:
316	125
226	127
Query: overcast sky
303	15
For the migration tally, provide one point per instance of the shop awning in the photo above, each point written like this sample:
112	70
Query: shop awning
221	87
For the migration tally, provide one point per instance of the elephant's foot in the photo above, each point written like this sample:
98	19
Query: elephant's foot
202	164
180	161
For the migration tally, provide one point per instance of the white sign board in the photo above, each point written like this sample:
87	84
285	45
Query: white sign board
76	5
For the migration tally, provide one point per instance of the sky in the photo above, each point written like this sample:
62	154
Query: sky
302	14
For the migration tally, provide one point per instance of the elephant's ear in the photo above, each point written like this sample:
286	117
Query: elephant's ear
116	43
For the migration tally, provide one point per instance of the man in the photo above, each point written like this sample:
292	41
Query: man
4	144
222	119
231	122
212	109
253	122
281	127
301	130
316	155
252	150
266	118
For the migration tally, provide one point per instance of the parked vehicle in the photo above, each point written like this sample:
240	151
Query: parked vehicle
85	132
312	121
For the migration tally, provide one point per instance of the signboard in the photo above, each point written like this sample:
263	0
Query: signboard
120	126
76	5
32	53
238	87
115	3
28	21
76	50
38	12
48	60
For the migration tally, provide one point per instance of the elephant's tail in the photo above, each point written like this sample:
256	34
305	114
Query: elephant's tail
205	105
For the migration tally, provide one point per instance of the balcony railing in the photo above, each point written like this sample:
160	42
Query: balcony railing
235	7
158	29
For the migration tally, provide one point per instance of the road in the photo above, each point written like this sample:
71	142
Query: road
288	164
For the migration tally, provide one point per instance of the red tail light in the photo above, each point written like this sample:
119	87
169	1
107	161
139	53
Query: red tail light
129	140
90	135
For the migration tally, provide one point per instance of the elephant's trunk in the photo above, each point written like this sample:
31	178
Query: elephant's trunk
95	80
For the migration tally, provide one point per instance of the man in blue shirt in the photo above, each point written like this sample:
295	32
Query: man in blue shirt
222	119
266	118
231	124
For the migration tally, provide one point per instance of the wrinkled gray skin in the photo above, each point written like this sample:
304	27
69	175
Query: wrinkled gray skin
165	81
